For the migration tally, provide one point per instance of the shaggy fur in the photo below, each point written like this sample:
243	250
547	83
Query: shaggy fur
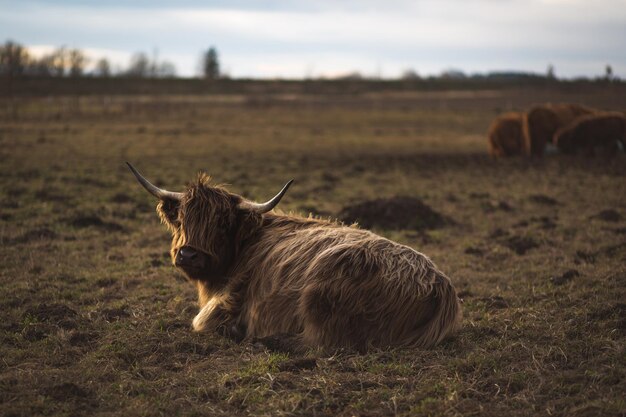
326	284
542	121
505	135
600	130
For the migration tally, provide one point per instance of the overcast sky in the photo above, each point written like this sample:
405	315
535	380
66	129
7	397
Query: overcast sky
292	39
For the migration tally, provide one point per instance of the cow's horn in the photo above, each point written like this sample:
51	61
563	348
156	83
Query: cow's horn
153	189
265	207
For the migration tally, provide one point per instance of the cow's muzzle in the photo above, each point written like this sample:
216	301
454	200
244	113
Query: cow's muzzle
189	258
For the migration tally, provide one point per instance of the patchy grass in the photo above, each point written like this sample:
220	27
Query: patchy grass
96	321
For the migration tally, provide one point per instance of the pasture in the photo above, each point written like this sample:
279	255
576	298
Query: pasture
96	320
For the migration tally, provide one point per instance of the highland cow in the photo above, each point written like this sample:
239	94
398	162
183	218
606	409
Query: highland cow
317	283
542	121
606	131
505	135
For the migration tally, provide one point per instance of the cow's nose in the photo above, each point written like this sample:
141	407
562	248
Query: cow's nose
187	256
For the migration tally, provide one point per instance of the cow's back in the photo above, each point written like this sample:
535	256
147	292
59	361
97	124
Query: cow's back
346	287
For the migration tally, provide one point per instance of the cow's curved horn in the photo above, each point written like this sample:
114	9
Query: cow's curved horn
153	189
265	207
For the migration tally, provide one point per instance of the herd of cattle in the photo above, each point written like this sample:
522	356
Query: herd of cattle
571	128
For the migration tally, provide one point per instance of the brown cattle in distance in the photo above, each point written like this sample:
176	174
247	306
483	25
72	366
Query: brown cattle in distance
317	283
542	121
505	135
600	130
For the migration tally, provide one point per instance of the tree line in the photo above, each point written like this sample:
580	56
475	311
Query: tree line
17	61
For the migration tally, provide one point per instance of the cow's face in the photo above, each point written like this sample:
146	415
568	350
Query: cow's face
208	226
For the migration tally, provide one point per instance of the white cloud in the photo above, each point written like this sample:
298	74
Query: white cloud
297	38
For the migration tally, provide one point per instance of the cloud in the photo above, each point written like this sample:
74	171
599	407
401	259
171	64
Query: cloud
281	37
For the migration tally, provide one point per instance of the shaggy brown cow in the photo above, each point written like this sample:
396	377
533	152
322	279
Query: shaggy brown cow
261	274
542	121
505	135
601	130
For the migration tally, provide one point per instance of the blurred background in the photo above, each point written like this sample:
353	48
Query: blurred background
324	39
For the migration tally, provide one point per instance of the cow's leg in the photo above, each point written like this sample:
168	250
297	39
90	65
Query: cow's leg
215	317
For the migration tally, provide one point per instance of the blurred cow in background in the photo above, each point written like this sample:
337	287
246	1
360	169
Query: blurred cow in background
542	121
505	135
600	131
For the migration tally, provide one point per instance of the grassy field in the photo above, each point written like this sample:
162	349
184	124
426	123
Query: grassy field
96	321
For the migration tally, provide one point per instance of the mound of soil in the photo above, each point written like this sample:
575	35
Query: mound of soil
54	314
498	233
608	215
114	314
50	194
564	277
543	199
393	213
35	235
121	198
472	250
36	331
584	256
494	303
82	338
66	391
520	244
543	222
50	312
496	205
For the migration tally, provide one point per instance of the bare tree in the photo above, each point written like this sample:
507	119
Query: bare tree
14	59
103	68
351	76
77	61
42	67
210	64
60	61
53	64
453	74
410	74
165	69
139	65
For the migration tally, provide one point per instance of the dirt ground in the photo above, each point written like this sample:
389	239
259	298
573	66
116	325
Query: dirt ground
96	321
